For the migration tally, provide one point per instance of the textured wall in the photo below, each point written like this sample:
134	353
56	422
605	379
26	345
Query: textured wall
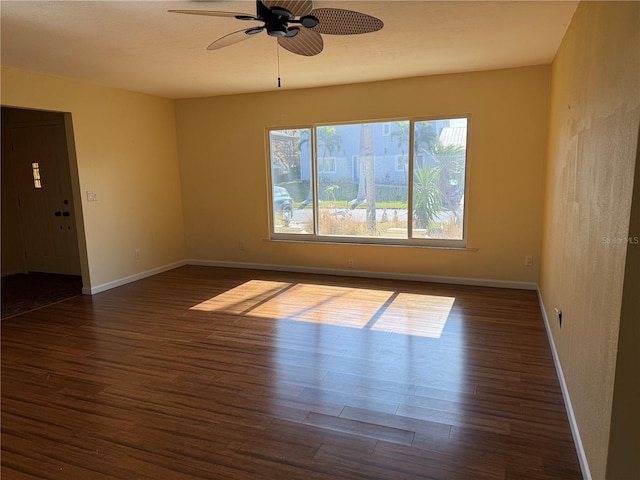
223	161
594	117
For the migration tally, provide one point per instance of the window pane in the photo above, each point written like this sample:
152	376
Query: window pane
363	179
439	158
35	170
292	192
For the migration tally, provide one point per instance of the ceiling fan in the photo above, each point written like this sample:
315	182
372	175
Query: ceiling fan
295	24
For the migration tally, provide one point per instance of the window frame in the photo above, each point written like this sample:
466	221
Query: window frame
410	241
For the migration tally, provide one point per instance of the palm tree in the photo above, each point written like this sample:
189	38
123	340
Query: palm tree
329	140
427	197
367	158
362	191
424	137
450	163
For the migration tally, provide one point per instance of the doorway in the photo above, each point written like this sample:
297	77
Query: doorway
40	216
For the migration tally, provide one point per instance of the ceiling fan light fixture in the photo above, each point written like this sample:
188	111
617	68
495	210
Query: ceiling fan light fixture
292	32
309	21
254	30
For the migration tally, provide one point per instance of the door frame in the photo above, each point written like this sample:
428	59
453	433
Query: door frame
74	181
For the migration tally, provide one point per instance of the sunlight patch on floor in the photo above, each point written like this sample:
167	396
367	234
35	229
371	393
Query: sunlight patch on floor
327	305
416	314
380	310
242	298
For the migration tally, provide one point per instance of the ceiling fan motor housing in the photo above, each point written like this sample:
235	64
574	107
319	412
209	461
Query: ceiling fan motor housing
276	21
277	29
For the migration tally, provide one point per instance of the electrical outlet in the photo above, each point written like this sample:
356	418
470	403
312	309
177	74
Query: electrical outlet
241	246
350	263
528	260
138	254
559	317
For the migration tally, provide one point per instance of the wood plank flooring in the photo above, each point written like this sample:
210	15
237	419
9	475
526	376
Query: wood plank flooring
211	373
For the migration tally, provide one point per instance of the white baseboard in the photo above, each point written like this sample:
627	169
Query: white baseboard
577	440
318	270
371	274
131	278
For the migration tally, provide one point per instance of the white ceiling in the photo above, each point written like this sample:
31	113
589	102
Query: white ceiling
137	45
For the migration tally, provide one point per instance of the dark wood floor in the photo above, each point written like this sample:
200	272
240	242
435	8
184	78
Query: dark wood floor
214	373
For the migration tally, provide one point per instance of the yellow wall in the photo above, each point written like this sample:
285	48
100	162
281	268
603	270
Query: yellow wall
594	120
126	153
223	164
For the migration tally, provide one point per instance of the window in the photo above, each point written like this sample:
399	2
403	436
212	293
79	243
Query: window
35	170
402	163
327	165
397	182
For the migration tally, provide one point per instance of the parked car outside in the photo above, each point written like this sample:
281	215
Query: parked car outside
283	204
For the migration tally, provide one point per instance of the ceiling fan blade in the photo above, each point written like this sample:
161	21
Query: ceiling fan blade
306	42
239	16
297	7
234	37
336	21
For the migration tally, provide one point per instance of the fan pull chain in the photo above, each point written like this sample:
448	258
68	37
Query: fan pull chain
278	54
